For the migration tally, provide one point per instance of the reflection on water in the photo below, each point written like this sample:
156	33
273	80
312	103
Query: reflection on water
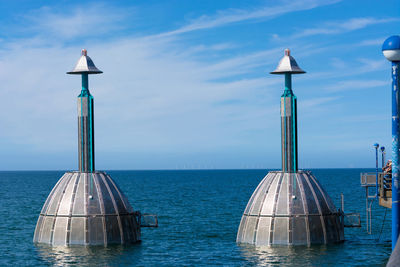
284	256
89	255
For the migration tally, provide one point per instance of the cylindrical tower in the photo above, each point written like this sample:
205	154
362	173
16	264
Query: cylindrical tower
289	207
86	207
391	50
85	66
288	66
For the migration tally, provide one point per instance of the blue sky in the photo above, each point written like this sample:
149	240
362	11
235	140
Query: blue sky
186	84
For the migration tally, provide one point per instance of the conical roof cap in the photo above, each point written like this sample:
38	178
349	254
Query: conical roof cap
85	65
288	65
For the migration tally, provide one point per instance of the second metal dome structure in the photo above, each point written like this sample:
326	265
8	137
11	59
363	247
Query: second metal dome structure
87	207
290	207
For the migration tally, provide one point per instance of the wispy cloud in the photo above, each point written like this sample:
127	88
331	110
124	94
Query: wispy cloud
372	42
356	85
343	26
82	21
231	16
314	102
160	95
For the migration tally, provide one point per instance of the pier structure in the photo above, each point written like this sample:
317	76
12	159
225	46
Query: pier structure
86	207
391	50
290	207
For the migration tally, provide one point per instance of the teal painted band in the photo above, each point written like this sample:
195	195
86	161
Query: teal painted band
288	82
285	167
294	132
82	147
91	150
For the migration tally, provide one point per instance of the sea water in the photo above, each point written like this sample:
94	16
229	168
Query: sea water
198	211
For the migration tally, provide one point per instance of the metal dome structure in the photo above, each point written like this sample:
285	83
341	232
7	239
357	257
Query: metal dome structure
290	207
86	209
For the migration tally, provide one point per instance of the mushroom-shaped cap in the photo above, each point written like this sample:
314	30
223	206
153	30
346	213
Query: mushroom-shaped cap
391	48
376	145
288	65
85	65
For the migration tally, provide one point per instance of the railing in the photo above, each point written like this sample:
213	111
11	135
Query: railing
146	219
368	181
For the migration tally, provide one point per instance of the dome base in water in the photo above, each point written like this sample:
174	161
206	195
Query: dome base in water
290	209
86	209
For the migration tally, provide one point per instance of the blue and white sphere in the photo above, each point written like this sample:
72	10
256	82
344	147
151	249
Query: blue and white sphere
391	48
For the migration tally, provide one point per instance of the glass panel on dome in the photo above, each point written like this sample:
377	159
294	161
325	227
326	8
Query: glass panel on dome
60	231
327	198
316	231
269	201
332	228
53	205
263	231
297	200
283	204
281	234
299	231
77	232
112	230
79	201
118	201
308	194
107	200
248	236
96	232
250	203
47	227
65	204
124	198
38	229
50	197
241	228
257	200
93	201
321	199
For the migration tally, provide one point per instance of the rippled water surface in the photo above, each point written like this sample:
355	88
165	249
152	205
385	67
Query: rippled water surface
199	212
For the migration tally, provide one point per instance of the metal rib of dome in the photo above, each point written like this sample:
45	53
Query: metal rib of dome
86	209
290	209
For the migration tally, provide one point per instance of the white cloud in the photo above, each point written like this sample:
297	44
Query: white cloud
356	85
156	95
231	16
372	42
82	21
315	102
343	26
149	98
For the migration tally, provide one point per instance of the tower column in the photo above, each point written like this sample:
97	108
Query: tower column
85	105
288	66
289	127
85	128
